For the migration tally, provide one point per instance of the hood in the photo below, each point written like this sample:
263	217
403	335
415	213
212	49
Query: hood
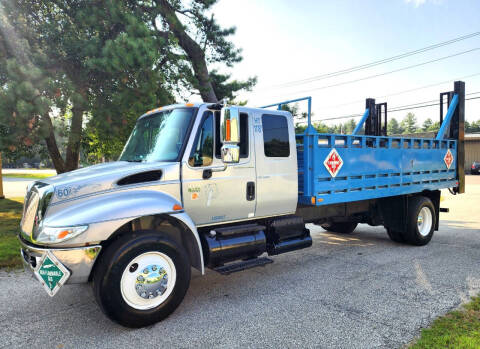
108	176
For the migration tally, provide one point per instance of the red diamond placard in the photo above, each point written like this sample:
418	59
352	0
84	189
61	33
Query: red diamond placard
448	158
333	162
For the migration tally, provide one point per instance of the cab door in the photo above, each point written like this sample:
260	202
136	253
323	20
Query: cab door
211	195
276	163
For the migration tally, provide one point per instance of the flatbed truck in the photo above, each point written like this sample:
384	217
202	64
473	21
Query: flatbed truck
215	186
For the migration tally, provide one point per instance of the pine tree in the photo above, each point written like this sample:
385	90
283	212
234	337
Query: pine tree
393	127
98	66
409	123
427	124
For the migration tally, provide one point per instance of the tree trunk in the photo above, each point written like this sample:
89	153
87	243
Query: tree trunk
192	49
73	146
52	148
75	136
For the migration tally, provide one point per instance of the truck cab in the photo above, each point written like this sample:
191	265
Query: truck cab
216	192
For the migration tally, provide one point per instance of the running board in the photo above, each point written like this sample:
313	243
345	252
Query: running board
239	266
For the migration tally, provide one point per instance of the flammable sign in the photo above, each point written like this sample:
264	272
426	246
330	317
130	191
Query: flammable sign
333	162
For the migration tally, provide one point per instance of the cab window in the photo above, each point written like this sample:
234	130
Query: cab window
202	152
275	136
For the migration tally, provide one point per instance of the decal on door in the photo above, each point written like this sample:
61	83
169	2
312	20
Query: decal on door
333	163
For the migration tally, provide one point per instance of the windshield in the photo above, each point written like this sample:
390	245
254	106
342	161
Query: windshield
158	137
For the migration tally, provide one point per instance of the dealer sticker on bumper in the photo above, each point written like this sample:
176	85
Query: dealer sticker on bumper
51	273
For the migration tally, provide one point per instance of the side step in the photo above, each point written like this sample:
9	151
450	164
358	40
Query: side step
239	266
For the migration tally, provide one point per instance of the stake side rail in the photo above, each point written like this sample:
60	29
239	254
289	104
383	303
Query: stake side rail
369	167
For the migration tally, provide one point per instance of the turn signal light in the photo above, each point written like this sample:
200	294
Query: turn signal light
228	131
177	207
63	234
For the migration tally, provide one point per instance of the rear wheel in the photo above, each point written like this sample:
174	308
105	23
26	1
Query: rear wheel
141	279
421	221
396	236
340	227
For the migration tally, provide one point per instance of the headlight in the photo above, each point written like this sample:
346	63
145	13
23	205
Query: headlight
59	234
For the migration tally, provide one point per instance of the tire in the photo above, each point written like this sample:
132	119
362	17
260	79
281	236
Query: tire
141	278
340	227
421	221
395	236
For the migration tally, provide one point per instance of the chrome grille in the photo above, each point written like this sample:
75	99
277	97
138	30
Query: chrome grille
29	211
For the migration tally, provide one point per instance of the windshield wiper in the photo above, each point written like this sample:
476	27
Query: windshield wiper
134	160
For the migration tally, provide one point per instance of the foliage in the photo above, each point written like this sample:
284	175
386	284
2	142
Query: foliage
86	70
409	123
10	215
473	127
393	127
457	329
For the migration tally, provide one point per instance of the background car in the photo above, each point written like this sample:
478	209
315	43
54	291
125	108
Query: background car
476	167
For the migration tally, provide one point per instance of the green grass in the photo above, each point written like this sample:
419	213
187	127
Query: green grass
27	175
10	215
457	329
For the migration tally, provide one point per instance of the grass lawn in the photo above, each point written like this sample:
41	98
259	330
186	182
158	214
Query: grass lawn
10	215
27	175
457	329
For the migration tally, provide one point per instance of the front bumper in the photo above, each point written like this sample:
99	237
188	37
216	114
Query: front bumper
78	260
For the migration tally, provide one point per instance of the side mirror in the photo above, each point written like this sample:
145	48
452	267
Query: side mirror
230	153
230	134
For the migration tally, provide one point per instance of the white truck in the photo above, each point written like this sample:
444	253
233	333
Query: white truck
217	186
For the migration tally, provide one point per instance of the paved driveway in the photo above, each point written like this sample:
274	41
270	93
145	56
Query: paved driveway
15	187
361	291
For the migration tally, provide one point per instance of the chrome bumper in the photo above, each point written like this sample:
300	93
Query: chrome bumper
78	260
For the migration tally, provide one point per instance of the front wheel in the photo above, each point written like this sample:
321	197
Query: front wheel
141	278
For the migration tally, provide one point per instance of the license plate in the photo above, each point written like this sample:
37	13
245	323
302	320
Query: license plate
51	273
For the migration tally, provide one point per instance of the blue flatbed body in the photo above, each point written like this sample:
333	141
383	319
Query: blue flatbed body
371	167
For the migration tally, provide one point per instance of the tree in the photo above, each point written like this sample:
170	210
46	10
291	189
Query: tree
77	56
409	123
350	126
393	127
427	124
98	65
198	34
472	127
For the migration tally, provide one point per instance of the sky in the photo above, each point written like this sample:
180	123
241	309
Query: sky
284	41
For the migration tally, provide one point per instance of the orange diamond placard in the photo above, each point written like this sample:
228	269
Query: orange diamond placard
448	158
333	162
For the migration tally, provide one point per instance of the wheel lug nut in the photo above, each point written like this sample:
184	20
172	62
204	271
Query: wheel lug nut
154	268
145	271
133	267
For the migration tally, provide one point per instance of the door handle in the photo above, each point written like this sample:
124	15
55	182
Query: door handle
250	191
207	173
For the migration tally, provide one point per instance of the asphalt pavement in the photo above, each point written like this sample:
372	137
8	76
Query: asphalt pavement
356	291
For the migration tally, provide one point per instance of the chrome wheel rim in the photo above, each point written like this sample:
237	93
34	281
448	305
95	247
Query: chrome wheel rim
148	280
424	221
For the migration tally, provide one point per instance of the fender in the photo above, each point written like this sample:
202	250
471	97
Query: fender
110	206
106	213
